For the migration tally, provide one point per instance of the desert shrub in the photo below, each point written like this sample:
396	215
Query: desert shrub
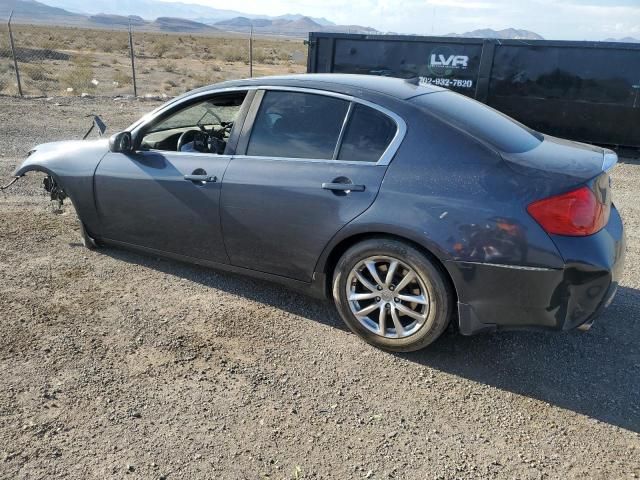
168	66
37	73
122	78
206	78
260	55
234	53
159	48
176	54
80	74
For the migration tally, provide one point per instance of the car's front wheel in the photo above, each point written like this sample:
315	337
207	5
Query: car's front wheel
392	295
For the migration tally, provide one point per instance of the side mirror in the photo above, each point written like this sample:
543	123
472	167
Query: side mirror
121	142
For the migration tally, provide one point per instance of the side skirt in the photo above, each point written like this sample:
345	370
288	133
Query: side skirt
315	288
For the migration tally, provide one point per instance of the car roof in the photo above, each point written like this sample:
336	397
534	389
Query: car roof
337	82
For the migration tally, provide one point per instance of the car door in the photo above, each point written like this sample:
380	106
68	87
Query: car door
163	199
309	163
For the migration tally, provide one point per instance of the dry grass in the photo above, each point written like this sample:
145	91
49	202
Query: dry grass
54	59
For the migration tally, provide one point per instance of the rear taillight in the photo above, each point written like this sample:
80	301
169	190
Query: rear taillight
577	213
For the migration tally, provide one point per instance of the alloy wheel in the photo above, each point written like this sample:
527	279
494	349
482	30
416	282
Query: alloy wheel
387	297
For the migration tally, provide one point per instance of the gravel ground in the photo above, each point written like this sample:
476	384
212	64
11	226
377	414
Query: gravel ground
115	364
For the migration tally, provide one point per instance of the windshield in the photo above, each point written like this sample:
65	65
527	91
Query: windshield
481	121
207	113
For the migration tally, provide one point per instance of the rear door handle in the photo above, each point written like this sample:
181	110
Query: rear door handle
343	187
201	178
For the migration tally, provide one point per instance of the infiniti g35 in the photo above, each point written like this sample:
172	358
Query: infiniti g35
411	206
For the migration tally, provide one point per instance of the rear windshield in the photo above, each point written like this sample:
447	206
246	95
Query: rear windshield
481	121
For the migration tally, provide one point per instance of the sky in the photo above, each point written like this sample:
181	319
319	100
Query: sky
568	19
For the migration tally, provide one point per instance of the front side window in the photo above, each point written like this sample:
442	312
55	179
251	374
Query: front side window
368	134
203	127
297	125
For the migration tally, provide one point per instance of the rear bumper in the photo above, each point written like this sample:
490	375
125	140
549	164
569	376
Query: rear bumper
511	297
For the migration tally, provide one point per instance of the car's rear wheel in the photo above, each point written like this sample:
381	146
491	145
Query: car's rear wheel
392	295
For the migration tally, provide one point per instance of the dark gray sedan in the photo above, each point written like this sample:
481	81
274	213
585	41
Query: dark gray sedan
411	206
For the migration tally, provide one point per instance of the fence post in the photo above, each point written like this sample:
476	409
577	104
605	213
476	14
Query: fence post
251	52
13	52
133	62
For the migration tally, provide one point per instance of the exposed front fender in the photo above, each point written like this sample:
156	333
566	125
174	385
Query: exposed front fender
72	165
70	158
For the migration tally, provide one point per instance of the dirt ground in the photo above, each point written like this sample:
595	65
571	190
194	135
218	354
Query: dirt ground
119	365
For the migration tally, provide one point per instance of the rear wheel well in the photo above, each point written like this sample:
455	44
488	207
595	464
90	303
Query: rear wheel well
344	245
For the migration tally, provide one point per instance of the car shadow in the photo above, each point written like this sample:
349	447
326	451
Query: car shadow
595	373
254	289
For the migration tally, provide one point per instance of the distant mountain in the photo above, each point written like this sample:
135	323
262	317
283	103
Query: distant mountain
305	24
150	9
117	20
506	34
172	24
169	16
242	22
319	20
287	24
623	40
27	9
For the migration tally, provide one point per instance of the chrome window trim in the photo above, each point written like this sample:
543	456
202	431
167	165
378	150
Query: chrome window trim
311	160
181	154
343	129
384	160
387	155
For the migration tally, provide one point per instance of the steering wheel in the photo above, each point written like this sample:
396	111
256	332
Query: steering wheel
186	137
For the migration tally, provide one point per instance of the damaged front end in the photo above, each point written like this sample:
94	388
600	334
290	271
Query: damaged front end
56	192
64	163
69	168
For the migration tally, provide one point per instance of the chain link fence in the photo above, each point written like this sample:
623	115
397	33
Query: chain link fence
8	82
68	60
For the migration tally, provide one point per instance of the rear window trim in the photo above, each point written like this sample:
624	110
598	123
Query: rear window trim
385	158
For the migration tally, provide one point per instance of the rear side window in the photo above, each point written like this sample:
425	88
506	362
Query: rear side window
297	125
367	135
481	121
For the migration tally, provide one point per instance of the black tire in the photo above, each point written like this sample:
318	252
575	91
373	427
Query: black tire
87	240
440	295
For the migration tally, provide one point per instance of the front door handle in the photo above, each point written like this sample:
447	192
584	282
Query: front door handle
201	178
343	187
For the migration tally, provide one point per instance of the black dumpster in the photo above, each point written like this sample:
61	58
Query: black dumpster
586	91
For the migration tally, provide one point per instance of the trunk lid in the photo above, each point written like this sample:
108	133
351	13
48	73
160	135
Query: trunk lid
573	161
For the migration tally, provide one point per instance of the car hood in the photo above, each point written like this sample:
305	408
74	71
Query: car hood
52	154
